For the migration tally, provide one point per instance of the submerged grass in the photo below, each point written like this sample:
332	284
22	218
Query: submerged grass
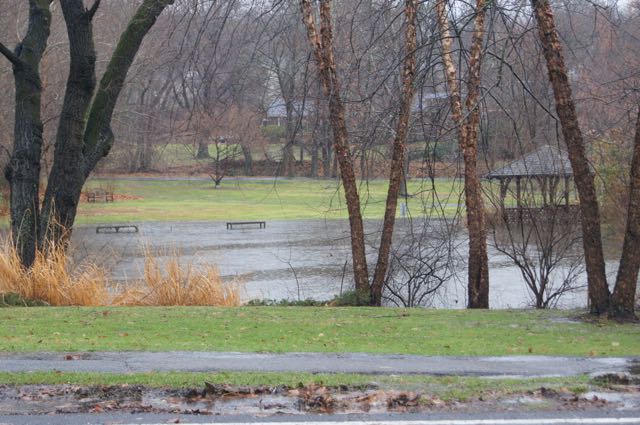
314	329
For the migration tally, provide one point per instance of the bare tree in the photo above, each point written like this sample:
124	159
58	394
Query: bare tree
467	121
84	135
323	50
424	260
619	306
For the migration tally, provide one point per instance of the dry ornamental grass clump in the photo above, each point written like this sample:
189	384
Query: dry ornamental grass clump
178	284
50	279
53	280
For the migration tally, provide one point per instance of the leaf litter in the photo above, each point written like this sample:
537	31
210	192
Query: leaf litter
219	399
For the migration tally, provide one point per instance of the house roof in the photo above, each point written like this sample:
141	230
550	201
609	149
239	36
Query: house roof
545	161
428	100
278	108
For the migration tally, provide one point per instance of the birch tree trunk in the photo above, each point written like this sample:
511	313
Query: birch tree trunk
396	176
478	263
583	177
624	294
322	45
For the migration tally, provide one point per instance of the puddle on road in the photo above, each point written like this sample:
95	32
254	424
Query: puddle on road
623	400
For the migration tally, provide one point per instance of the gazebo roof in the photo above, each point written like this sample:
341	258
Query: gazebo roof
546	161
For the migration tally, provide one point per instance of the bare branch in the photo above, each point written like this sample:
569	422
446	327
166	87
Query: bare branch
92	11
7	53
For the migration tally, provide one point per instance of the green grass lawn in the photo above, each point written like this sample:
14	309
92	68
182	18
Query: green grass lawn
313	329
267	199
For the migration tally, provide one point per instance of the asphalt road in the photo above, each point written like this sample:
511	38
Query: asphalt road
511	418
128	362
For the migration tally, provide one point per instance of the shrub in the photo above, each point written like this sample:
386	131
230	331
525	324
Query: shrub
351	299
11	299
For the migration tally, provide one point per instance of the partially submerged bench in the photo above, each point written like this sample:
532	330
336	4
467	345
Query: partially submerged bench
99	195
118	228
261	224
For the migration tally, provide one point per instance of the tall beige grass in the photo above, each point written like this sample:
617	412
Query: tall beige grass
54	280
177	284
51	280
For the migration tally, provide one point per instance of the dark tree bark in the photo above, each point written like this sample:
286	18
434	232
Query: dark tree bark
583	177
66	177
81	142
322	45
23	169
624	295
396	175
84	134
478	263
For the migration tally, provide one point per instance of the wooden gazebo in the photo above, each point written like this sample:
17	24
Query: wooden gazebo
546	170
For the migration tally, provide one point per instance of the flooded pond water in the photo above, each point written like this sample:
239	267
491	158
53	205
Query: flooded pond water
289	259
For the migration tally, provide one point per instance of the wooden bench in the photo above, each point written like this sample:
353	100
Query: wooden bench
118	228
261	224
99	196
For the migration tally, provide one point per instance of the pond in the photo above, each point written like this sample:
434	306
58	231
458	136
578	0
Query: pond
295	259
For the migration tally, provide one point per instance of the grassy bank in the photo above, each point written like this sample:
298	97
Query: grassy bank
264	199
313	329
444	387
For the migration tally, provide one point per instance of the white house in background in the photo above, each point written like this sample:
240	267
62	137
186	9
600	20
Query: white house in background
277	112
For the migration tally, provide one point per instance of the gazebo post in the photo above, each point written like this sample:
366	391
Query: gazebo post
518	192
543	180
553	188
504	186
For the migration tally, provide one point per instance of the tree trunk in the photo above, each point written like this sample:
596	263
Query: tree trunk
583	177
624	295
98	137
327	155
203	150
313	173
248	159
397	157
478	263
66	177
23	169
301	159
323	52
405	173
77	152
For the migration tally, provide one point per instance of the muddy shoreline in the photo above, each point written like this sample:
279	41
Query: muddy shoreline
282	400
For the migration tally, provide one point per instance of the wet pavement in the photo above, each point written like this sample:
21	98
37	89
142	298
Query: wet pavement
128	362
601	417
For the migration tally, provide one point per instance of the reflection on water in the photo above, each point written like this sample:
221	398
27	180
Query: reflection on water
289	259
